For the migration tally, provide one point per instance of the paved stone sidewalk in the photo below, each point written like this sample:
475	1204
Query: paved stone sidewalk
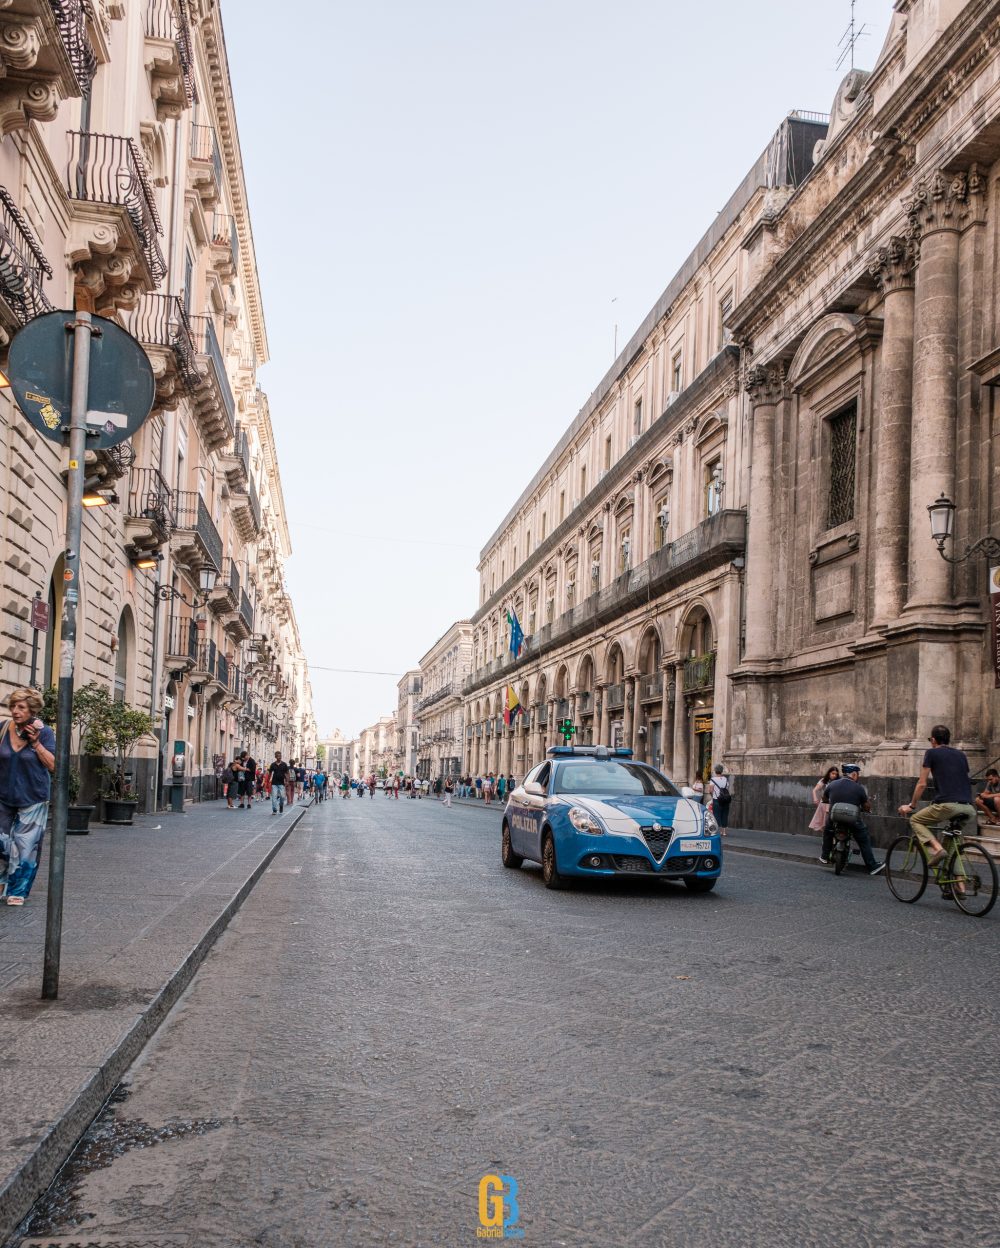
143	905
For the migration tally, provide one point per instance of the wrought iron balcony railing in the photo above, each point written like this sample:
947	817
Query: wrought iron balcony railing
71	20
169	20
22	264
699	673
246	610
205	663
192	516
206	343
205	148
224	235
109	169
651	687
182	640
615	696
222	670
562	708
162	321
150	498
584	703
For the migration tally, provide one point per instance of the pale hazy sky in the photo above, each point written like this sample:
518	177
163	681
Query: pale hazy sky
453	203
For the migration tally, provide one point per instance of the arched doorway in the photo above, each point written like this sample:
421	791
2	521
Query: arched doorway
124	656
698	645
650	699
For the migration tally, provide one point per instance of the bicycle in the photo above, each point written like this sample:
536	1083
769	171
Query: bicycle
967	873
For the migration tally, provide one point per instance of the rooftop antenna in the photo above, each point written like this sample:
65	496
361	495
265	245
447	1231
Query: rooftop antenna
851	36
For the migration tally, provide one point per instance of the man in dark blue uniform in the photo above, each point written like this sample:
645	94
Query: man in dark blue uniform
849	789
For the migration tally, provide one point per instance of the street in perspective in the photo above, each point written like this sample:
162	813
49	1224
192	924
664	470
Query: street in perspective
500	624
391	1016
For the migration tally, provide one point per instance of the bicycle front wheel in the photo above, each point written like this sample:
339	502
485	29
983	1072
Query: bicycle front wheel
906	869
973	877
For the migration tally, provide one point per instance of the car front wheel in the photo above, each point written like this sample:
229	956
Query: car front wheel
507	855
695	885
550	867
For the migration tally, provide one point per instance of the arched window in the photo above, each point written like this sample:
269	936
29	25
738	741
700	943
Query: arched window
124	655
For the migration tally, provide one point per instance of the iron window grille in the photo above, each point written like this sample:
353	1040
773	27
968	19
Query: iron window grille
843	465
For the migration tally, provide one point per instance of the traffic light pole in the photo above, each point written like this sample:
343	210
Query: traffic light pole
82	330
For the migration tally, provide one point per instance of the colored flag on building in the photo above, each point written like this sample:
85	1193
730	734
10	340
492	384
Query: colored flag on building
512	707
516	635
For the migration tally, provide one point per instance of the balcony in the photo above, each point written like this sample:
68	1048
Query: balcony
205	170
235	460
149	511
585	703
246	614
225	242
161	324
651	687
215	403
168	57
225	597
113	242
699	673
23	268
182	644
46	56
614	697
196	540
236	686
205	666
438	695
713	544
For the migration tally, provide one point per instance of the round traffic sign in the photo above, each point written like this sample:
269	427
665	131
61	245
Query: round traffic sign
40	369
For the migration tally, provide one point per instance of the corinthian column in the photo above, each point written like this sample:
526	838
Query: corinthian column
765	387
936	210
892	268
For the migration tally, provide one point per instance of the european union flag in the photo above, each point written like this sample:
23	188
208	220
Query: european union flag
516	635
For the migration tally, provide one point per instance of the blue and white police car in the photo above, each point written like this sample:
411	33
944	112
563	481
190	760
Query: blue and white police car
592	811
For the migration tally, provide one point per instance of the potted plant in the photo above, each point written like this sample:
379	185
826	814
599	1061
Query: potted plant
121	726
89	705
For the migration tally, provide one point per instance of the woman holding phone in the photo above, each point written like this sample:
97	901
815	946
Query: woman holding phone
27	761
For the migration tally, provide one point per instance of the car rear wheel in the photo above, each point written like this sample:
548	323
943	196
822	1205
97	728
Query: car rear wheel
695	885
507	855
550	867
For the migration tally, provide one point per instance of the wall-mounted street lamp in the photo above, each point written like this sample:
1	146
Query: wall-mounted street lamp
942	516
207	576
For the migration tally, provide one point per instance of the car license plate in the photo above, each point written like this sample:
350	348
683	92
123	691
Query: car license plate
695	847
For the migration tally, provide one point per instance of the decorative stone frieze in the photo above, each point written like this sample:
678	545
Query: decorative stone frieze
945	202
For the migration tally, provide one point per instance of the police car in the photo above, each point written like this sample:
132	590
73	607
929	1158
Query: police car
593	811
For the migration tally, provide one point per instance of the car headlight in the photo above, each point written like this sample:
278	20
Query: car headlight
584	821
711	827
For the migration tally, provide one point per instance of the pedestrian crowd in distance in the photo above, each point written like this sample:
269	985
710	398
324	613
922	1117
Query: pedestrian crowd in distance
245	781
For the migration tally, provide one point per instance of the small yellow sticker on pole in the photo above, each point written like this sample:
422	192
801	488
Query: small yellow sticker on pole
74	463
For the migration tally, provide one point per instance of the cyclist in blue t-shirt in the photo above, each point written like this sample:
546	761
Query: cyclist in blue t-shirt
949	770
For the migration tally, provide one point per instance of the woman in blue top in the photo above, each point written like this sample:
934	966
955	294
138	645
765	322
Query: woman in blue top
27	761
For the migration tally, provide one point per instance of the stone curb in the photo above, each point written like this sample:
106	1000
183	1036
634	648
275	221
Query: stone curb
33	1177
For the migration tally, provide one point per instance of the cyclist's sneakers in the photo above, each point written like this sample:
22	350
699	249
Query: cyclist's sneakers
878	868
824	861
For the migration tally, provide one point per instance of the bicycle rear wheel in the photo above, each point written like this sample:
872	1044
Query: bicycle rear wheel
906	869
972	867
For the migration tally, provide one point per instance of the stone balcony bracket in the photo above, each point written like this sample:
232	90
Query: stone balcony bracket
106	261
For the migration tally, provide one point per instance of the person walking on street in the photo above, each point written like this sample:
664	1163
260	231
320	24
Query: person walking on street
395	786
345	786
27	761
949	769
721	791
818	822
291	777
278	771
229	784
248	779
449	788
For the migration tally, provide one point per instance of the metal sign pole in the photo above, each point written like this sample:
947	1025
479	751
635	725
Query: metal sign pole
82	331
34	647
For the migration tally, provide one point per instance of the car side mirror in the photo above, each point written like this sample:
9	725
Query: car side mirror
534	789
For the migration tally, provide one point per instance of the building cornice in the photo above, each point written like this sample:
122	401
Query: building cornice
214	41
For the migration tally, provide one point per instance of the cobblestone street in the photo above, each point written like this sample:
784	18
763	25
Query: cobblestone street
795	1059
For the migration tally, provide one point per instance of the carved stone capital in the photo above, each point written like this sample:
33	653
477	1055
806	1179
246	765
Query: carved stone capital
945	201
765	384
892	265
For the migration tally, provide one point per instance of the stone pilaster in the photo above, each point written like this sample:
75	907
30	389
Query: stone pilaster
937	211
892	267
680	759
765	385
666	743
601	719
631	716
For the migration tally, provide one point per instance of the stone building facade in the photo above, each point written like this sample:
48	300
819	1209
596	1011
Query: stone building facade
122	193
439	716
750	576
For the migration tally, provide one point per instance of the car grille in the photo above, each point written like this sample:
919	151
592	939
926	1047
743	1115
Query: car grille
657	841
630	862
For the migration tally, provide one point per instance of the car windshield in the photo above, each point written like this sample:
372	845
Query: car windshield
612	778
